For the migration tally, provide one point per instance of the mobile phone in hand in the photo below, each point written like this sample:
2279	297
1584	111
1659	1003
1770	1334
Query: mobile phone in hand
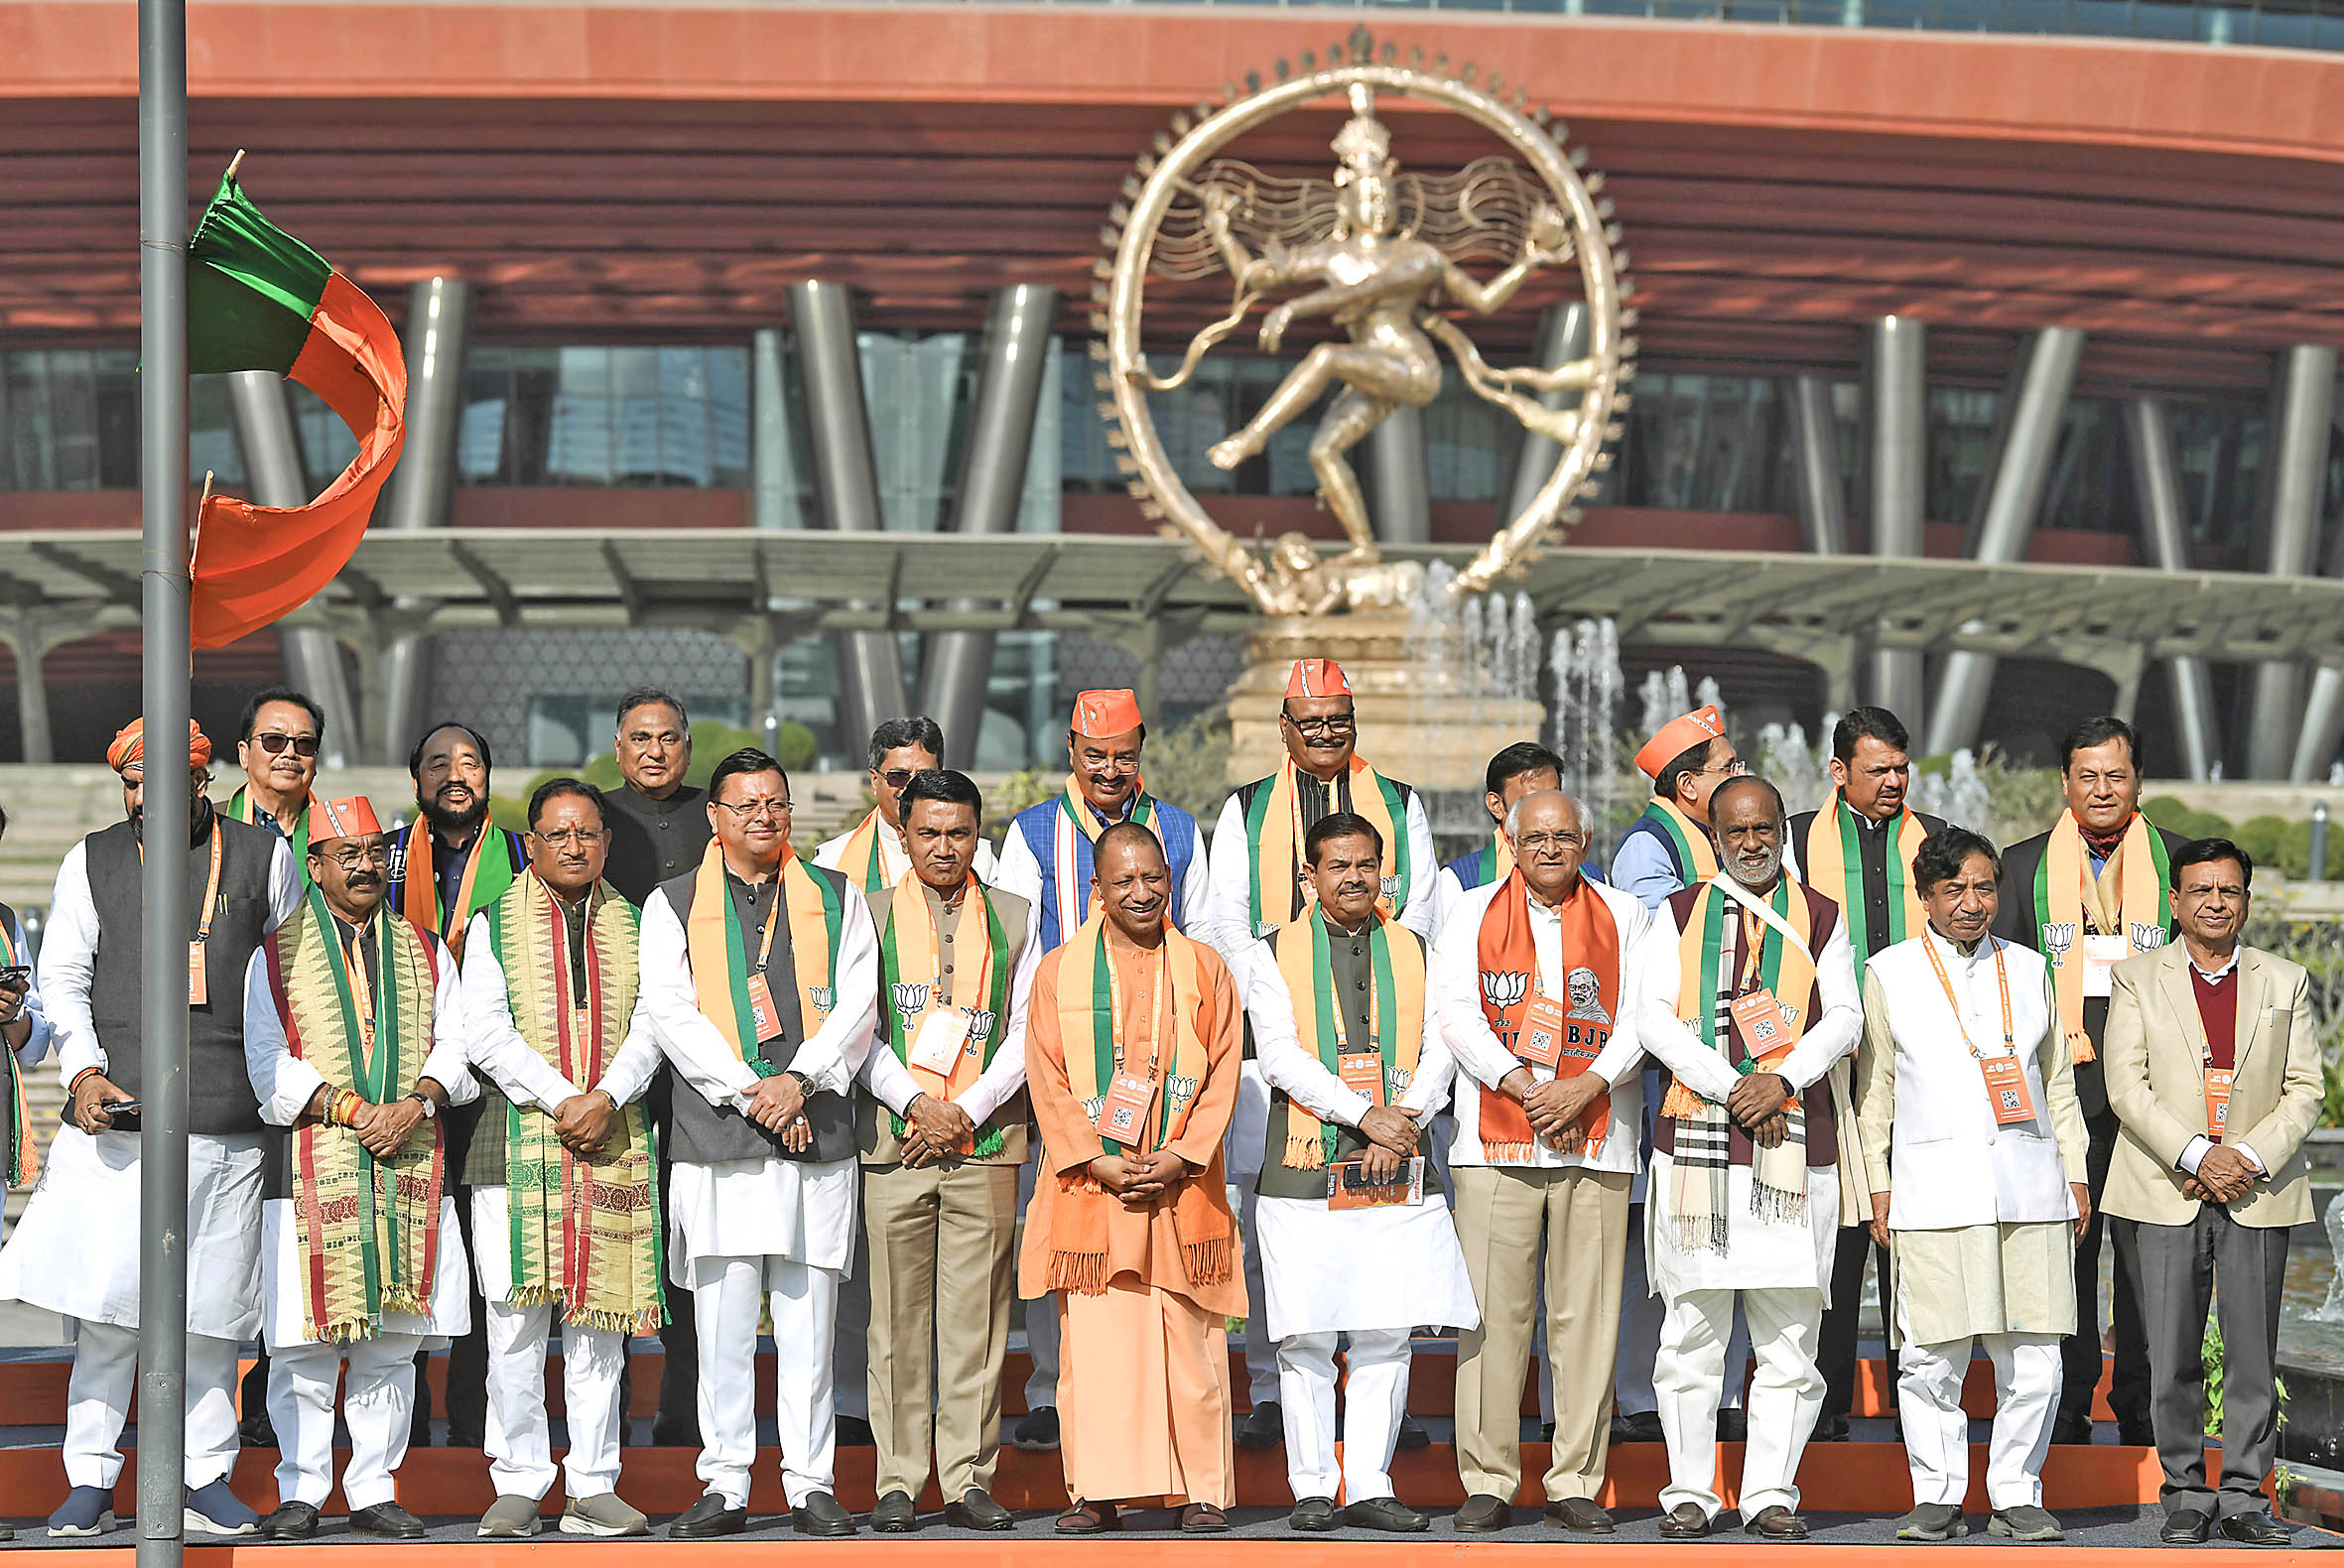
122	1115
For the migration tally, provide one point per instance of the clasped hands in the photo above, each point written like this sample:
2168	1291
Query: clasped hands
2223	1176
382	1131
1139	1180
778	1105
933	1130
1554	1107
586	1124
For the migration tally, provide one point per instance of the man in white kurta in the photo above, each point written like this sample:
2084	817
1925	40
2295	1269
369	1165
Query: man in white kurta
1544	1183
1709	1244
1977	1202
75	1249
348	863
764	1202
1372	1272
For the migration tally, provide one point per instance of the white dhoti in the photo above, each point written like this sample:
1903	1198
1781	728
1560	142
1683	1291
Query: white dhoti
750	1235
1372	1274
519	1439
377	1373
74	1252
1780	1271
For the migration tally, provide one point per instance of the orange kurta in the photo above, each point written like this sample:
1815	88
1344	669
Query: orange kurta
1142	1246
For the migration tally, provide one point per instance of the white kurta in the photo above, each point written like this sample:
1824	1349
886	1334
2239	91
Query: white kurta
286	1083
768	1206
1760	1253
1328	1270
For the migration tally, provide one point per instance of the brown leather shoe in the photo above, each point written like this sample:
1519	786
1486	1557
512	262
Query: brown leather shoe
1776	1524
1580	1516
1201	1518
1089	1518
1684	1522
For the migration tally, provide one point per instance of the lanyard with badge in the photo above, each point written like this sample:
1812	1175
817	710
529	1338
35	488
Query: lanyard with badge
761	1010
2218	1078
1362	1071
1122	1111
2005	1075
354	963
943	1031
1763	1028
198	986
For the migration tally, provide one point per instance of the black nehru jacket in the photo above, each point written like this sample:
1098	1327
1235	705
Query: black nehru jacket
1875	842
653	840
705	1134
220	1101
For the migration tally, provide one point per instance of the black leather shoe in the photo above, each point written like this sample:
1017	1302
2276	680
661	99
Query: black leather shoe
386	1519
977	1510
1412	1435
668	1431
1265	1426
1313	1515
1388	1515
1733	1426
1830	1429
1483	1514
896	1515
712	1515
1038	1432
1641	1427
2255	1530
1684	1522
2186	1527
1580	1516
821	1515
1776	1524
2072	1432
292	1521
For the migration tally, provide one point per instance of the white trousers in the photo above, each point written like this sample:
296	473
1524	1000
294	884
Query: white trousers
805	1303
1041	1320
1786	1393
519	1435
97	1402
1639	1335
2026	1378
1373	1401
1261	1351
379	1402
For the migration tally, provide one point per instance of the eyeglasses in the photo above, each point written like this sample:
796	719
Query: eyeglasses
756	809
274	743
1732	768
358	860
1341	724
1532	842
897	778
584	838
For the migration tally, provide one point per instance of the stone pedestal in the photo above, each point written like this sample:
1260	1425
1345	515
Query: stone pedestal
1422	720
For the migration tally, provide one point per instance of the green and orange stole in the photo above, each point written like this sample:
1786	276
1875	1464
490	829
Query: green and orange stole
23	1155
719	953
1696	856
862	860
909	961
1507	967
1274	836
2142	914
242	808
1779	1189
486	875
368	1229
1089	1032
582	1232
1396	1009
1833	857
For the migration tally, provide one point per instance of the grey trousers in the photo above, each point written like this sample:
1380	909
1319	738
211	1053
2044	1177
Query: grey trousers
2174	1268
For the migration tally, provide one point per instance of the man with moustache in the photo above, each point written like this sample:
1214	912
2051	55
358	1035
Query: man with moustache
1858	850
941	1128
277	741
1255	885
75	1250
354	1043
564	1188
446	866
1748	1008
2086	895
1046	860
656	827
760	975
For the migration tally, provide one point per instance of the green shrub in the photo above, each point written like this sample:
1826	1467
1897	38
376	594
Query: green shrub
2174	817
2259	837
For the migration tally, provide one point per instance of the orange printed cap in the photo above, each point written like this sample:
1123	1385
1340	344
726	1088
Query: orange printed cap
351	818
1099	714
1677	736
1317	677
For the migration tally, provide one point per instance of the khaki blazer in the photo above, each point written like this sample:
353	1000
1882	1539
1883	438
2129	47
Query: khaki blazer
2157	1086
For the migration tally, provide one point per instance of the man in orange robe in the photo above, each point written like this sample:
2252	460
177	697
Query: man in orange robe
1134	1029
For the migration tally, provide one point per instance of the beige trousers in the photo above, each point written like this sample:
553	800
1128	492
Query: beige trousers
1502	1215
941	1273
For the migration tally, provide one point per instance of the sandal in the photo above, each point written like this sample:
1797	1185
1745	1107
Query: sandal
1089	1518
1201	1518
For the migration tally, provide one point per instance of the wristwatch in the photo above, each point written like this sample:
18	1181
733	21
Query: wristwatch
430	1110
805	1084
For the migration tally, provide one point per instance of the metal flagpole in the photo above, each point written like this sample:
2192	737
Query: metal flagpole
164	658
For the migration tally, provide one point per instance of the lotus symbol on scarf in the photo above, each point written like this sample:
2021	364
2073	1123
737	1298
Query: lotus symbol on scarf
824	998
911	997
981	1024
1505	988
2058	936
2146	936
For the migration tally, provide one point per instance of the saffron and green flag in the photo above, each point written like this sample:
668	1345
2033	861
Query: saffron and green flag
260	300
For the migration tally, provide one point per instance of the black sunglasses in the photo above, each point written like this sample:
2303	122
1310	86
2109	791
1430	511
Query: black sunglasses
304	747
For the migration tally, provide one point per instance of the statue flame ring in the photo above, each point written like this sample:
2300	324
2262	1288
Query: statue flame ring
1607	349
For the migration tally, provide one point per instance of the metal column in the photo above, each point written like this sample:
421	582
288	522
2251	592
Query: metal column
2299	472
846	488
423	491
1018	342
1400	498
273	466
2014	495
1815	463
1897	469
1562	337
773	477
2167	531
163	661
